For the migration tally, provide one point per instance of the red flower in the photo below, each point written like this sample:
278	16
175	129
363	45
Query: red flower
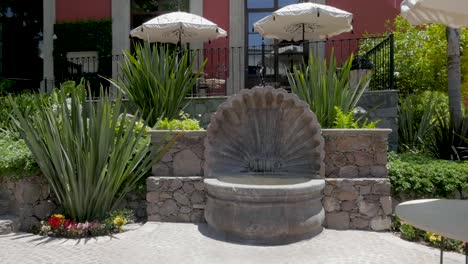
56	221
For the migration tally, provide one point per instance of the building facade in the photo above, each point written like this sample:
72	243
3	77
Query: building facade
235	16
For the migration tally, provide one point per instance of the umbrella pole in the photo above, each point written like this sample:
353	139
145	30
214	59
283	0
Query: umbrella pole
263	63
303	44
179	47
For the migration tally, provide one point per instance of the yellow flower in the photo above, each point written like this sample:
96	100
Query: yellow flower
120	221
59	216
434	237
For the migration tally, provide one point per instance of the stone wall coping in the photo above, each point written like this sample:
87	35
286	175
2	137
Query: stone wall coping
325	131
381	91
184	178
357	131
356	179
203	98
187	133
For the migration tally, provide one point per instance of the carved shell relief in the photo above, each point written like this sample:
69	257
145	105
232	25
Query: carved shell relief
264	132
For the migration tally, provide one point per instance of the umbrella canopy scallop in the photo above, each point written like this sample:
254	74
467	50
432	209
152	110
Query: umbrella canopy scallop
452	13
305	21
178	27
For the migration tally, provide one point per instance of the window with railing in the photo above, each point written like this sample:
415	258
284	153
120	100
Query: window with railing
144	10
261	57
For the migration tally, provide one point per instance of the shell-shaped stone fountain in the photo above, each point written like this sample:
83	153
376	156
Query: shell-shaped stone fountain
264	132
263	168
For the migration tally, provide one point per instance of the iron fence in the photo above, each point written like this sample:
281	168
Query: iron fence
382	58
227	70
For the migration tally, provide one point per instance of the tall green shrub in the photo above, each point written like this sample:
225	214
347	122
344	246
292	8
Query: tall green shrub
325	87
421	56
157	80
90	158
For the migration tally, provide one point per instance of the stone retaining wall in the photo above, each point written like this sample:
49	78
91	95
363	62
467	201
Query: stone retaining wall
349	153
358	204
30	200
348	203
176	199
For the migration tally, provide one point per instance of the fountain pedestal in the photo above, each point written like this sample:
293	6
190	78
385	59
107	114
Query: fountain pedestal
266	214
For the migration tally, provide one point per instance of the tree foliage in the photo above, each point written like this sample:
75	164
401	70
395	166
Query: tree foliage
421	56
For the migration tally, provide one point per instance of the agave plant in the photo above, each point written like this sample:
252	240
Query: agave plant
157	80
325	86
448	140
411	133
89	157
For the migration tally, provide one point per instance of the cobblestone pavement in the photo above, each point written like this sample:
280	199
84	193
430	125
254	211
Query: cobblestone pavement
189	243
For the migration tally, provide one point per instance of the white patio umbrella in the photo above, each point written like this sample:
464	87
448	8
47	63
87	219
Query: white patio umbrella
304	21
287	56
452	13
178	27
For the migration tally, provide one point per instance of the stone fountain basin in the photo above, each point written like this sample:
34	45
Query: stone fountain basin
284	211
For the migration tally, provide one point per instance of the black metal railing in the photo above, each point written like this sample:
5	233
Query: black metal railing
382	58
268	63
228	70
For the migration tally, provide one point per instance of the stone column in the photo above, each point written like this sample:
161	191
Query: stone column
48	12
236	80
196	7
120	31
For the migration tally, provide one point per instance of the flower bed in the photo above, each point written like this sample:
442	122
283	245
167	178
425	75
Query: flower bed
411	233
58	225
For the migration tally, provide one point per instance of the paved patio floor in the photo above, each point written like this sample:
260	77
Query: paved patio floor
189	243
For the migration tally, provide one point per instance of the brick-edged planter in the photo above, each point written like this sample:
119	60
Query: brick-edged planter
185	156
355	153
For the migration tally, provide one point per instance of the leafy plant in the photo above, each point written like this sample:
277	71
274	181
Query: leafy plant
157	80
88	165
184	123
343	120
420	101
6	86
412	132
448	140
408	232
325	87
417	176
23	101
16	161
